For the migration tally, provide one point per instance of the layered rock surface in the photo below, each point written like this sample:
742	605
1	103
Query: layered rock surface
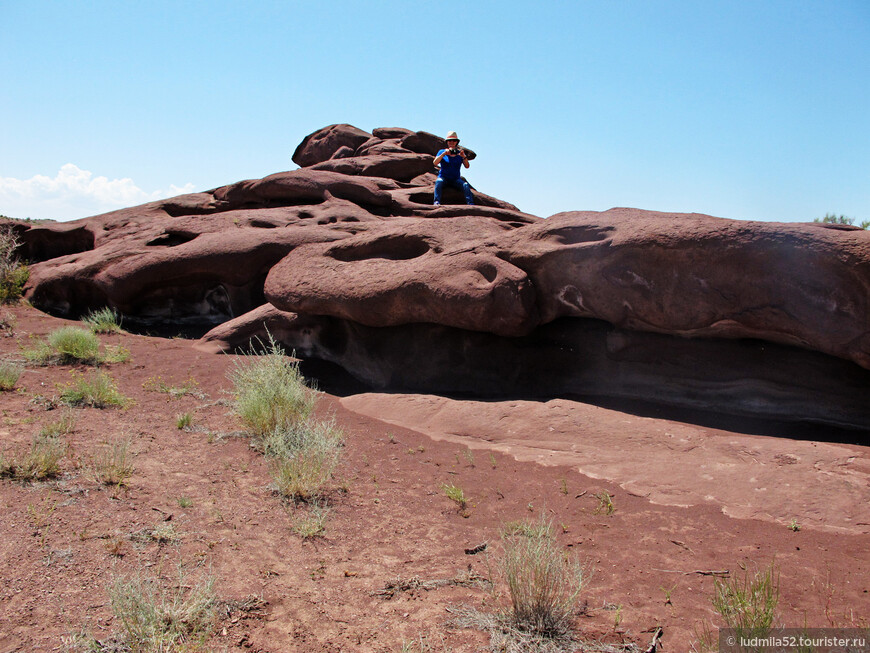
346	260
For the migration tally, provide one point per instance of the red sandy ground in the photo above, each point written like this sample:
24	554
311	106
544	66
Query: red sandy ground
64	540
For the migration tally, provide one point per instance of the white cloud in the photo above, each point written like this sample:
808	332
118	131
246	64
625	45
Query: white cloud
74	193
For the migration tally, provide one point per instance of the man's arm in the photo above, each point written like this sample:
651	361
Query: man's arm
441	155
464	159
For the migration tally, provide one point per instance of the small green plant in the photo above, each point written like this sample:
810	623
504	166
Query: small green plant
39	352
7	323
748	604
313	523
72	345
605	503
303	457
115	354
184	502
75	345
794	526
456	495
526	528
13	274
104	320
112	464
41	462
9	375
64	425
833	218
184	421
543	582
164	533
40	517
617	617
189	387
97	390
157	619
270	392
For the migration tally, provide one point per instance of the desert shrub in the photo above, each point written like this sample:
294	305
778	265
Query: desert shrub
543	583
64	425
70	345
75	344
39	352
748	604
155	619
115	354
189	387
303	457
97	390
605	503
104	320
112	464
41	462
184	421
13	274
9	375
271	395
313	523
455	494
833	218
7	323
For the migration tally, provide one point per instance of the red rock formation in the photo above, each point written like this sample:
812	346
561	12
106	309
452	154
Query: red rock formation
352	239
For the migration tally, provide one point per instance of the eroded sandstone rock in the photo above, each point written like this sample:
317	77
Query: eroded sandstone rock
349	244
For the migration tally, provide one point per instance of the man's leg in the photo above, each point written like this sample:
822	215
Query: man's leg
439	184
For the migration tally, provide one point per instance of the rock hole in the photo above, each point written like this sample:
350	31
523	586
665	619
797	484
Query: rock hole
172	239
575	235
393	248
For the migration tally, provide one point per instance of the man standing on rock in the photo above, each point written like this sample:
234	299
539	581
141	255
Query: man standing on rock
451	160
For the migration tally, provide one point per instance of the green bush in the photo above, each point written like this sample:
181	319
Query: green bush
41	462
13	274
544	584
303	457
112	464
71	345
270	392
75	344
748	604
9	375
155	619
98	390
833	218
64	425
104	320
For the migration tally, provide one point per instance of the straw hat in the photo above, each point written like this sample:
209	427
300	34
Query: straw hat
451	136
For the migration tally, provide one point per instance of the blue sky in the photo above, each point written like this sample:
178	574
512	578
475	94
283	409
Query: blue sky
749	110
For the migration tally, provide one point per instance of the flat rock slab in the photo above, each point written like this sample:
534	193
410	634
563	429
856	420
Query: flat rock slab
670	463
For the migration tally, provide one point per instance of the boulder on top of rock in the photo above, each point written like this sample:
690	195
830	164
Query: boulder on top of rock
322	144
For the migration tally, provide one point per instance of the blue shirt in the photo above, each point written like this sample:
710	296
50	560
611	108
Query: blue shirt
450	166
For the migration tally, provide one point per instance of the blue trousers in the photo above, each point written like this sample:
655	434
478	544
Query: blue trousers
460	183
